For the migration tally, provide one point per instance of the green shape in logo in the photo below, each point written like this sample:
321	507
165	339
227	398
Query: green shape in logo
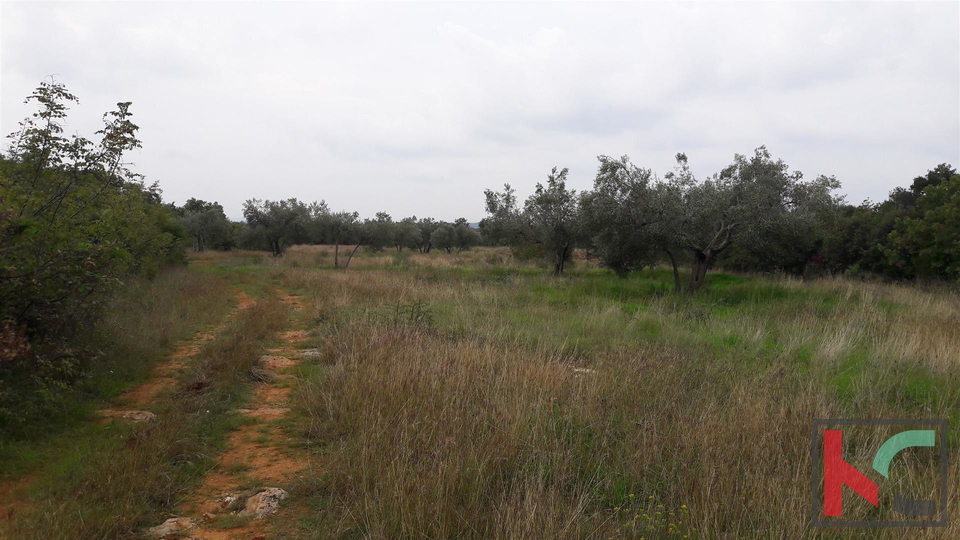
893	446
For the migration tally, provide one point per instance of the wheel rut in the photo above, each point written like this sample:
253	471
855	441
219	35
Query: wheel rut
130	405
240	496
163	378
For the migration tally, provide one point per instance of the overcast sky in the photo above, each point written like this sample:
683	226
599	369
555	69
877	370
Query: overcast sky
416	108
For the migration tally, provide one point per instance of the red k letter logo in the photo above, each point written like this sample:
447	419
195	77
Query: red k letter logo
837	472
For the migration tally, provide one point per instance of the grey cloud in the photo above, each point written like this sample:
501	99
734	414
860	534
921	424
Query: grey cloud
416	108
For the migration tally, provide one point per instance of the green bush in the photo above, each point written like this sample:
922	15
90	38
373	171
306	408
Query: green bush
74	221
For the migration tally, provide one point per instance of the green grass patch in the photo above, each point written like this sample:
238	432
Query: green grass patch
141	326
121	478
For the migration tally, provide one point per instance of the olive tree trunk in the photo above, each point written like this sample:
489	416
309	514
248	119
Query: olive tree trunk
676	271
703	258
560	259
350	257
698	271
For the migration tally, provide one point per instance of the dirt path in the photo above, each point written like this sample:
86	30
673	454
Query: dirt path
259	456
130	404
12	496
164	375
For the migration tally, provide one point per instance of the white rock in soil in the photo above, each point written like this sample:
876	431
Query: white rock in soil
171	526
133	416
266	502
139	416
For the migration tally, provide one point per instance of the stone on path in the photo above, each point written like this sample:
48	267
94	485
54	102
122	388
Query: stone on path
171	527
266	502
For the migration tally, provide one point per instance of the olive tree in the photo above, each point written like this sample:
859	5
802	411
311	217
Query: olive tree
375	234
503	224
281	222
622	216
550	217
466	236
633	218
456	236
444	237
341	228
206	224
407	234
756	201
379	232
426	226
314	230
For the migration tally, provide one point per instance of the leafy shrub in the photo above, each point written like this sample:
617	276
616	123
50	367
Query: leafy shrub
74	221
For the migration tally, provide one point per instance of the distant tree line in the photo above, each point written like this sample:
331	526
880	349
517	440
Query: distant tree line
276	225
754	215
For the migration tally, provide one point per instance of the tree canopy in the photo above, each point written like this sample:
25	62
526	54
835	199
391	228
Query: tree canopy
550	217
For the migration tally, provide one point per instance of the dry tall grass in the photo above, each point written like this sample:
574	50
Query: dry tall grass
524	406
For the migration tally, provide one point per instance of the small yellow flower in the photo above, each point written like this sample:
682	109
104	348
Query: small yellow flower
650	497
631	495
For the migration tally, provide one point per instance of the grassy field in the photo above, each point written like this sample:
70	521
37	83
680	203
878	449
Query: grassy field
473	396
142	325
468	397
96	480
